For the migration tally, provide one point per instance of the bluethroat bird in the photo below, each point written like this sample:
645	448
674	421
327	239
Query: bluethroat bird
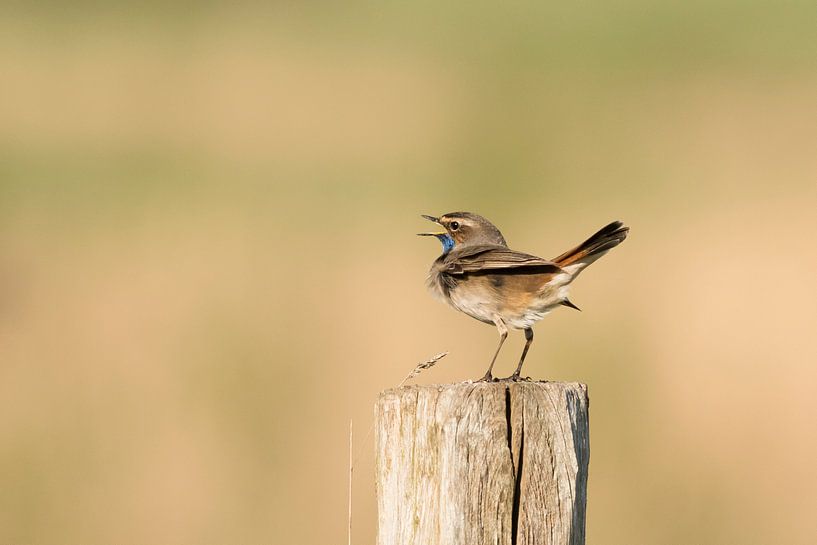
479	275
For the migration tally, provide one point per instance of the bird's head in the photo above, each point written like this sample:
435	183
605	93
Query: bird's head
465	229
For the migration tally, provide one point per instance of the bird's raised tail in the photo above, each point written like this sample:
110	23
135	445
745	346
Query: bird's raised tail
573	261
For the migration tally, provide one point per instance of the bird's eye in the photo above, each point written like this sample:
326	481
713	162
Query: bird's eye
455	225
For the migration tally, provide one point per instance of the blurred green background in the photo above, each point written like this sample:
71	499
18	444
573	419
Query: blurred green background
208	266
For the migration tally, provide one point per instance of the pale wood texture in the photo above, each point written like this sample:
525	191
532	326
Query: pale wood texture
501	463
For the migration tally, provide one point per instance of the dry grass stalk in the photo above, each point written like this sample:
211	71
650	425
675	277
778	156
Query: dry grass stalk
422	366
351	471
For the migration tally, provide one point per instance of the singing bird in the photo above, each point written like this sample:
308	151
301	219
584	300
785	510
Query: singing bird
479	275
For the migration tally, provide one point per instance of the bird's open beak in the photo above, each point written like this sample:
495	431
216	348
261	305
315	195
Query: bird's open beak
435	220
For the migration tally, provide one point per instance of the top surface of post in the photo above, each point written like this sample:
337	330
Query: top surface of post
481	383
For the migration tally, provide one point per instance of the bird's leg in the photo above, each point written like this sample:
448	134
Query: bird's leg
503	334
529	340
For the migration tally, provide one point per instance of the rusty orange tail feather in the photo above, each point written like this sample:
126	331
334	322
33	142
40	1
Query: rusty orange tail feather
594	247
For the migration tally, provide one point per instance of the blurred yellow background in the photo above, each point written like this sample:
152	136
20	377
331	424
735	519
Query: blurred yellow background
208	266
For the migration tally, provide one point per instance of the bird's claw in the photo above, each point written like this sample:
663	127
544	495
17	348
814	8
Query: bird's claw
518	378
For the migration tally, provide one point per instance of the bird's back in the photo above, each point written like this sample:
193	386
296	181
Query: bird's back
498	282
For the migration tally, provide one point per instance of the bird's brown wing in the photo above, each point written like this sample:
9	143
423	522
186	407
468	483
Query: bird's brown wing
494	259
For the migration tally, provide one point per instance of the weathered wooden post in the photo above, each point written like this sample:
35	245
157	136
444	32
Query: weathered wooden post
502	463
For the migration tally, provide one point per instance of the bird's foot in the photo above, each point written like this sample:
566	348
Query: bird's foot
488	378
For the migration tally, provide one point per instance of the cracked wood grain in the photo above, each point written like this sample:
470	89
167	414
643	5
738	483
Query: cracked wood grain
482	463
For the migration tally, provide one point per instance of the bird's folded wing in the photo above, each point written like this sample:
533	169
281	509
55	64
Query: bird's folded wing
491	258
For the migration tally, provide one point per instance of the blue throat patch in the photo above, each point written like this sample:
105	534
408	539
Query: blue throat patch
448	242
